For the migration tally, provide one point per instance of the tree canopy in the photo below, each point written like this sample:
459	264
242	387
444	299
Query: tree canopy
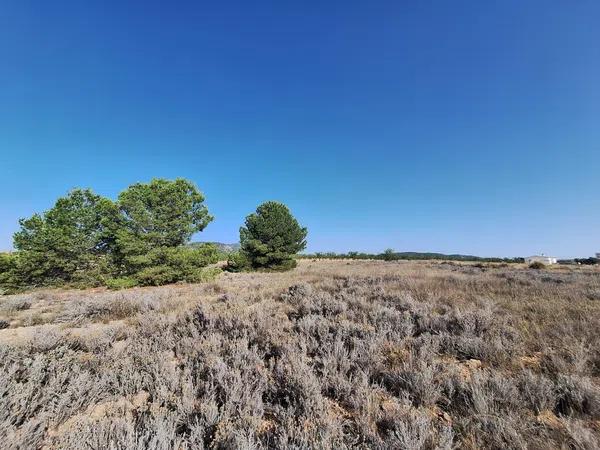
65	241
88	239
140	239
163	212
155	215
271	237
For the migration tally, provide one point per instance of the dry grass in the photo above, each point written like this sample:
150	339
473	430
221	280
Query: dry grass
336	354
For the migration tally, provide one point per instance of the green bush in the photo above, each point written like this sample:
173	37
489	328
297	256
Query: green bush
96	275
171	264
9	282
537	265
237	262
203	275
165	265
7	262
157	276
121	283
389	255
186	259
281	266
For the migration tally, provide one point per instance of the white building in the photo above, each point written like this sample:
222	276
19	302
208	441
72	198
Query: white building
541	258
597	255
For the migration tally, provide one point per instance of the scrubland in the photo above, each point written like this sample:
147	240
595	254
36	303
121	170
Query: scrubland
334	354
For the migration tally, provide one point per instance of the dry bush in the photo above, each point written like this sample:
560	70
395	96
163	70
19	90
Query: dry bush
333	355
105	307
14	303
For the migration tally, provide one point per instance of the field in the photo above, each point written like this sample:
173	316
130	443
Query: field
334	354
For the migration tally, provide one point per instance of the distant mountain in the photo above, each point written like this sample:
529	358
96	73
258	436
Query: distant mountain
226	248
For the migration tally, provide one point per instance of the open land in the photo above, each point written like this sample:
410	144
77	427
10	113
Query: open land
334	354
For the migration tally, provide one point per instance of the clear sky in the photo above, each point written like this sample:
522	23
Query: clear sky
451	126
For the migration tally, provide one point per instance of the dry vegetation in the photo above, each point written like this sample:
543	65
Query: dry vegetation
335	354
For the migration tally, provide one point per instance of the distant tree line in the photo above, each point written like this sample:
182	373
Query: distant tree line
583	261
140	239
391	255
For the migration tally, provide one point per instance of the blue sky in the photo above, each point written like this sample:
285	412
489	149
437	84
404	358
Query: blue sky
463	126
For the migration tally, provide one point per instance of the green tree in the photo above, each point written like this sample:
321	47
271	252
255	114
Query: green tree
8	280
155	215
271	237
66	243
389	255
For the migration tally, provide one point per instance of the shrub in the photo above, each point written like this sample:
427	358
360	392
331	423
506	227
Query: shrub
121	283
369	356
537	265
14	304
577	395
157	276
186	259
165	265
203	275
96	275
388	255
418	379
8	281
105	307
271	237
593	294
237	262
537	391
